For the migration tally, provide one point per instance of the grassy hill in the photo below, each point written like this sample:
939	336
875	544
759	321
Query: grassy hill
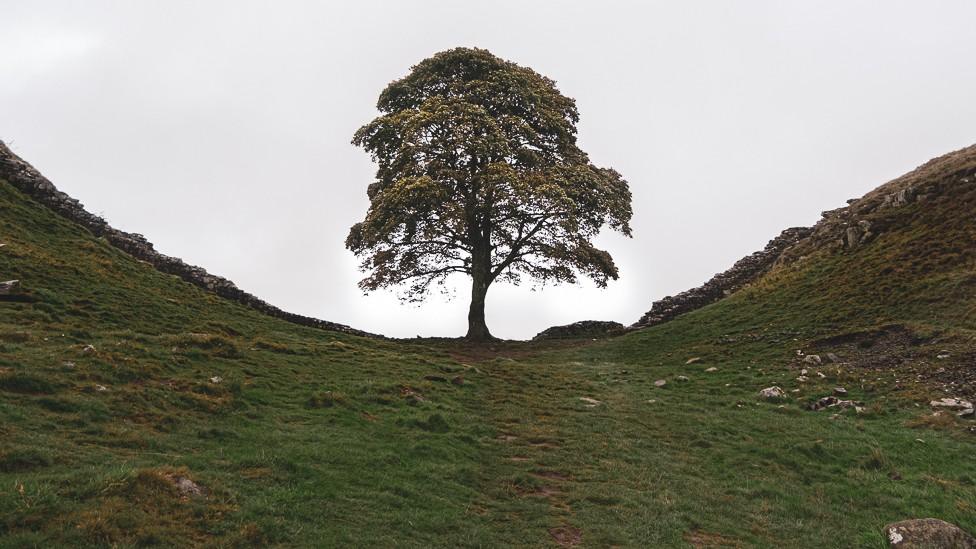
137	409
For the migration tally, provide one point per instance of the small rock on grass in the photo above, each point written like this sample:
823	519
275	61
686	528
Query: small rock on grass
840	391
660	383
928	533
772	393
712	369
590	402
693	360
951	403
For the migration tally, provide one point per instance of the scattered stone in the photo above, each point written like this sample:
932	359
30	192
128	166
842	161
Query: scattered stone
928	533
88	349
682	378
712	369
101	388
693	360
943	355
216	379
840	391
590	402
831	357
651	401
832	402
802	379
951	403
812	359
821	375
772	393
68	364
804	372
968	413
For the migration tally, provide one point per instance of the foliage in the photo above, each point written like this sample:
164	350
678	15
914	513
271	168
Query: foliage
479	173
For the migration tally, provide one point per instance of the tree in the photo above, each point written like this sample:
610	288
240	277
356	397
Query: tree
479	173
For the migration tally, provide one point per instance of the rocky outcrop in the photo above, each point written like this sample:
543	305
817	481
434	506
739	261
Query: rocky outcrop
744	271
581	329
29	181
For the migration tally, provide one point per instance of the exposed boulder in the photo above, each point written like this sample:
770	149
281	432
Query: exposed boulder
928	533
581	329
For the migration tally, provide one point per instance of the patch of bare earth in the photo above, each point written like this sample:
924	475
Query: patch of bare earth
566	536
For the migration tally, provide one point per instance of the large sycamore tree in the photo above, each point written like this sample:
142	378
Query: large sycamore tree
479	173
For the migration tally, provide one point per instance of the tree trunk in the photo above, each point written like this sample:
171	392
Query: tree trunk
480	280
477	329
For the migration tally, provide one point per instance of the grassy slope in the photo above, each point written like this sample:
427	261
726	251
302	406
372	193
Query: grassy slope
79	465
517	460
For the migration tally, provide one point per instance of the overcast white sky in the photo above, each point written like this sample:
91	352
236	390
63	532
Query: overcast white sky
221	130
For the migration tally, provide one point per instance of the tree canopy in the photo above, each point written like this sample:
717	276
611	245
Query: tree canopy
479	173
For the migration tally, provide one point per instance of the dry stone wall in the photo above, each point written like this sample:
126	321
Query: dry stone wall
744	271
29	181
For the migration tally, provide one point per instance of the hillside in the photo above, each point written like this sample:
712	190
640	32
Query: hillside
137	408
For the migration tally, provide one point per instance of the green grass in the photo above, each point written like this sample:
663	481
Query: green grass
313	438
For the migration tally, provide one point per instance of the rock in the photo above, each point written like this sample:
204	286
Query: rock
943	355
840	391
581	329
101	388
9	287
693	360
216	379
802	379
682	378
831	357
68	364
712	369
660	383
590	402
951	403
928	533
968	413
832	402
772	393
821	375
88	349
804	372
187	487
813	359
